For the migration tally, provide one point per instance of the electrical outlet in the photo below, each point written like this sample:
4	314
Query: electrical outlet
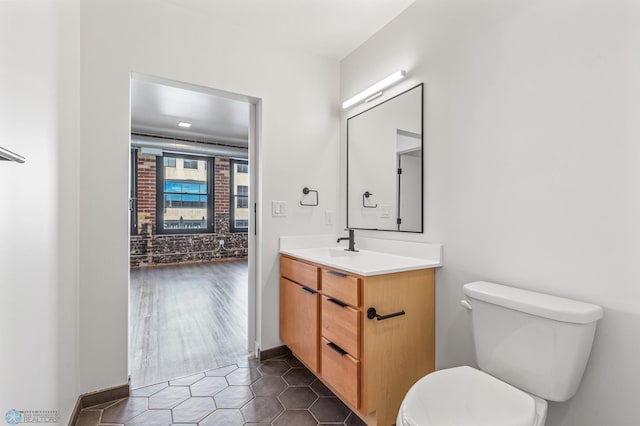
385	210
329	217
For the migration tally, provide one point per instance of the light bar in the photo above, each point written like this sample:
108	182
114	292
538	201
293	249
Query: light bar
7	155
374	89
184	124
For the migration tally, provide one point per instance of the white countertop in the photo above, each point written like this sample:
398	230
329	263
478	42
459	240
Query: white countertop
364	262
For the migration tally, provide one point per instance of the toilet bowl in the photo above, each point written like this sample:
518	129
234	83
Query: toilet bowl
530	347
466	396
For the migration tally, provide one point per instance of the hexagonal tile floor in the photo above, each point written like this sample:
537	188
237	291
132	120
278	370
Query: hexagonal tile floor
280	391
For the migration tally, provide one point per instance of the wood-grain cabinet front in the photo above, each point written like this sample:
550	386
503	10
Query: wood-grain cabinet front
370	363
300	311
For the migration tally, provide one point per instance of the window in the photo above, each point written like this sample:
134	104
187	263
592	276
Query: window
242	224
184	195
242	199
239	196
242	203
133	194
189	164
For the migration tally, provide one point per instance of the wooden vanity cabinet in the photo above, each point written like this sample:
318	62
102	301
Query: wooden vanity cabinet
341	372
369	363
340	327
299	310
340	324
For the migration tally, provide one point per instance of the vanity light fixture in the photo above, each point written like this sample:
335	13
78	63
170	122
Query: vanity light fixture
184	124
375	90
7	155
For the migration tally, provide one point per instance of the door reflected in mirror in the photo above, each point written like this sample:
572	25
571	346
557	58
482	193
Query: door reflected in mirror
384	165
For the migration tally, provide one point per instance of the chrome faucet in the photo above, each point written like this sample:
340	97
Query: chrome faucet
352	243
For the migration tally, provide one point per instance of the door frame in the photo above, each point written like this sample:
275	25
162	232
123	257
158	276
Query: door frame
255	197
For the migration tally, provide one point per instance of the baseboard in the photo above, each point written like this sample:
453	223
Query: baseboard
98	397
274	352
187	262
75	414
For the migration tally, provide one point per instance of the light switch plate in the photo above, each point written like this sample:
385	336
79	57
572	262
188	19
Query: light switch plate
385	210
279	208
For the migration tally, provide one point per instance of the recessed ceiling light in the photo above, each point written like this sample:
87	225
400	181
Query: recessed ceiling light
184	124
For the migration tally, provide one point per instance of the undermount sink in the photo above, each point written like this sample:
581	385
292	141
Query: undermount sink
326	252
340	252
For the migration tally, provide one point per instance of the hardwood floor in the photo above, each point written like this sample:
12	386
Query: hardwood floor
186	319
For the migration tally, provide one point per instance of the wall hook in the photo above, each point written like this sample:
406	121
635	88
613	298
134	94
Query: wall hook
306	191
367	194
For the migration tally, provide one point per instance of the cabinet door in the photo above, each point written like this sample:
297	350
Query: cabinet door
299	321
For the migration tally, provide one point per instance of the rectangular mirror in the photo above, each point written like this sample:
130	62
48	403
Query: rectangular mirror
384	165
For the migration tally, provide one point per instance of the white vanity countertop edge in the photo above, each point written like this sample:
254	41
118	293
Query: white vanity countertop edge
366	262
419	250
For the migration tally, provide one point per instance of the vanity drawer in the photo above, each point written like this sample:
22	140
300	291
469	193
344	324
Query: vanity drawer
340	324
299	272
341	286
341	371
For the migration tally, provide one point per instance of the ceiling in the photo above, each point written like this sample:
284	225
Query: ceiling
157	106
331	28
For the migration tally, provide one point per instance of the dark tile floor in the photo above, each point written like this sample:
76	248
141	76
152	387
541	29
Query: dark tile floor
277	392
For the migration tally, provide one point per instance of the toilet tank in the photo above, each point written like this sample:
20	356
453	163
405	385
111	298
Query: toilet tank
533	341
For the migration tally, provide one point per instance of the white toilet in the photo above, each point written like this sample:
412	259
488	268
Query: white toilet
531	347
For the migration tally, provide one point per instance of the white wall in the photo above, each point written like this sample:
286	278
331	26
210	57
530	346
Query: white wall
410	191
38	285
68	112
300	140
531	156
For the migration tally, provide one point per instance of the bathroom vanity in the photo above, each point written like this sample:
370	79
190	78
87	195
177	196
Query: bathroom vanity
362	322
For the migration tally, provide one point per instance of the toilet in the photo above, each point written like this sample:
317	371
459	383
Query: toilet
530	348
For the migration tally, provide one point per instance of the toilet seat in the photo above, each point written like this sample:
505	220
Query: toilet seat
464	396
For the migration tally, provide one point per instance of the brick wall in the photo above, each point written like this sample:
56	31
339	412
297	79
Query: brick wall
147	247
147	192
221	186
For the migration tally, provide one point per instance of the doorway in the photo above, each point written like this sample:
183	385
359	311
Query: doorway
193	239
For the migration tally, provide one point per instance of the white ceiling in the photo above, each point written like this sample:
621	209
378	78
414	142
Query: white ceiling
157	106
331	28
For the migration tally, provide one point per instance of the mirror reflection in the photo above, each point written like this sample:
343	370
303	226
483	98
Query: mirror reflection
384	165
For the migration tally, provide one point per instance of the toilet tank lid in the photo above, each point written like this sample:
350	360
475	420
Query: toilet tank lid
534	303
